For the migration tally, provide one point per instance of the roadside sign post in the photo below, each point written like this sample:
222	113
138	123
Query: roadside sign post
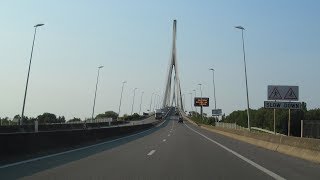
216	113
274	121
202	102
289	123
285	95
36	125
301	125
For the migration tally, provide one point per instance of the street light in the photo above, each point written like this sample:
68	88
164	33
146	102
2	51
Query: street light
26	89
151	102
195	95
134	94
141	101
183	101
214	89
191	107
121	97
95	93
155	101
245	72
201	110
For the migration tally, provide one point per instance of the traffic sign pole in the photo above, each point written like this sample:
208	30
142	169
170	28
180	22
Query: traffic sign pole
274	121
289	123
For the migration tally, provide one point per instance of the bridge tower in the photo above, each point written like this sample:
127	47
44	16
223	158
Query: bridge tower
172	93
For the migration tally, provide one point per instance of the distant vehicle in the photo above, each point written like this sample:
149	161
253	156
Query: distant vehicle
158	114
180	119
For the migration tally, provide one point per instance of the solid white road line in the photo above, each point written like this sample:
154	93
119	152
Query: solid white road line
270	173
74	150
151	152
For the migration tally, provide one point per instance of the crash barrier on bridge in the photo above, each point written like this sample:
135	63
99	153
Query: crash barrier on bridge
265	131
229	125
58	126
12	144
235	126
304	148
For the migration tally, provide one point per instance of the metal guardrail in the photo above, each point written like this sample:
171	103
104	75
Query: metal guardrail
266	131
235	126
229	125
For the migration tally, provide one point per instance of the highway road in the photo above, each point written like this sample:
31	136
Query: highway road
170	151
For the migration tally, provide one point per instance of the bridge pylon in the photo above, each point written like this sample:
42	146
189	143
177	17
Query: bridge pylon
172	93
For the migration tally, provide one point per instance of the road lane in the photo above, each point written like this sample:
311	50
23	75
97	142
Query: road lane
29	167
185	154
284	165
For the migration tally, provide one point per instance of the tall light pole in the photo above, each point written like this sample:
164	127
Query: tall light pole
195	95
95	93
214	89
141	102
26	89
201	110
150	102
155	101
134	94
183	101
245	72
191	107
121	97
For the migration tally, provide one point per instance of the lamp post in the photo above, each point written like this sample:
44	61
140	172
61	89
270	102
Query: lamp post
214	89
26	89
134	94
195	95
150	102
121	97
141	102
183	101
155	101
158	101
191	107
95	93
201	108
245	72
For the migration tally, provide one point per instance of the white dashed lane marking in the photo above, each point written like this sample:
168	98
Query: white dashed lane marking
151	152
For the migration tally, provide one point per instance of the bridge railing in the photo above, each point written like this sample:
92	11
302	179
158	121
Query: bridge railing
229	125
235	126
265	131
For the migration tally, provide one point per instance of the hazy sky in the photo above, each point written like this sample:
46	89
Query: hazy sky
133	39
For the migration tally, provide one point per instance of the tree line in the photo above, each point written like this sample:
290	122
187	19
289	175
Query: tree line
49	118
263	118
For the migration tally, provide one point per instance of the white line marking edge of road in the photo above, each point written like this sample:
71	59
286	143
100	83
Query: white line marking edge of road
74	150
268	172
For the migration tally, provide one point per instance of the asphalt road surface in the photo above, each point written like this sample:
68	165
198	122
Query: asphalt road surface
170	151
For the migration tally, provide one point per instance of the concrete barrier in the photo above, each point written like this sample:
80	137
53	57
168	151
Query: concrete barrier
13	144
304	148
